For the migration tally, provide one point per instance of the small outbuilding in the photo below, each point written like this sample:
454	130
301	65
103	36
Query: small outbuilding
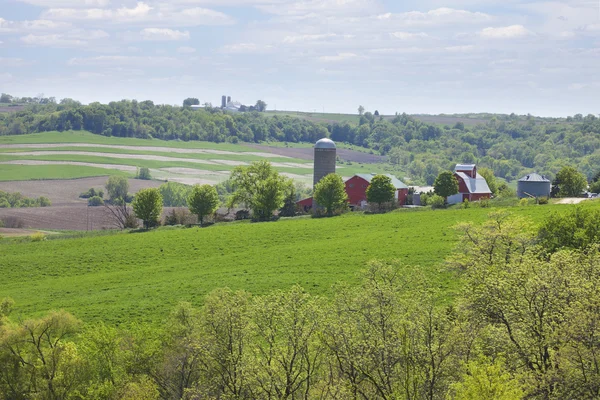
534	185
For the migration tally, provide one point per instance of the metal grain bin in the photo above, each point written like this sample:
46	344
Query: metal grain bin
533	185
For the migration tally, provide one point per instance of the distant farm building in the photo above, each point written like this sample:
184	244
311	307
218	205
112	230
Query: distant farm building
533	185
356	188
471	185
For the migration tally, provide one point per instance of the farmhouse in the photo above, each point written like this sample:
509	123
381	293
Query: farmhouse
356	188
471	185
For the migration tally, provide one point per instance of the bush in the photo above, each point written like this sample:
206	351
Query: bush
466	204
485	203
95	201
180	216
131	222
92	193
436	201
143	173
524	202
542	200
4	203
44	201
37	237
13	222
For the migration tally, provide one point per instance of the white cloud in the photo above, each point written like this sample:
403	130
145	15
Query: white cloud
314	37
319	7
164	34
438	16
14	62
409	35
67	3
460	49
246	48
125	61
142	13
506	32
186	50
74	38
39	25
339	57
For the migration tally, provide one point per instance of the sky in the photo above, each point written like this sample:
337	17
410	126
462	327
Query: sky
413	56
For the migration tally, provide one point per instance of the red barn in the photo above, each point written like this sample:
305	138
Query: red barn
356	188
471	185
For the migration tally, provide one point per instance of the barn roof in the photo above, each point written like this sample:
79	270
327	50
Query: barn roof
398	184
464	167
533	177
475	185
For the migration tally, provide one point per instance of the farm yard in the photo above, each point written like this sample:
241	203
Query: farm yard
128	277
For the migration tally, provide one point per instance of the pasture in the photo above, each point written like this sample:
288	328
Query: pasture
129	277
60	155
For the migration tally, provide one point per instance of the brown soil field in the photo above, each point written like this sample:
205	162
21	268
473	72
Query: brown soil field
66	192
449	120
9	109
308	154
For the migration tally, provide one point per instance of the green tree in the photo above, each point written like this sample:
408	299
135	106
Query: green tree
117	188
381	190
489	177
361	110
174	194
571	182
191	101
289	207
445	185
259	187
143	173
203	200
260	106
147	206
487	380
330	193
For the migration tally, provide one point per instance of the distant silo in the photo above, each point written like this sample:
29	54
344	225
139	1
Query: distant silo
325	155
223	101
533	185
228	99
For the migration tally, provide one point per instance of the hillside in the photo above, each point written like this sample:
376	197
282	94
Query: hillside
141	276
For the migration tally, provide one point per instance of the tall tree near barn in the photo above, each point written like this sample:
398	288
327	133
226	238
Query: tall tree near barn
381	190
203	201
330	193
445	185
148	206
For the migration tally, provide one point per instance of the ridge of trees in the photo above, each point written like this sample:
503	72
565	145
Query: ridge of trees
508	144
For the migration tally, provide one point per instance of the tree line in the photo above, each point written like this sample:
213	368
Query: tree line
525	326
510	145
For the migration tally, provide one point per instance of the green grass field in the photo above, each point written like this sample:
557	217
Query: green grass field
34	172
141	276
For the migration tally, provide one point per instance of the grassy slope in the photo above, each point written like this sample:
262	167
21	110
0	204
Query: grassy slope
31	172
140	276
87	137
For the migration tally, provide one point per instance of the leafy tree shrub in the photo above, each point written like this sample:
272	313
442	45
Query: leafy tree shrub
95	201
576	229
37	237
117	188
542	200
143	173
147	206
4	203
330	193
180	216
571	182
44	201
203	201
381	190
436	201
92	193
289	208
466	204
484	203
445	185
490	179
260	187
524	202
175	194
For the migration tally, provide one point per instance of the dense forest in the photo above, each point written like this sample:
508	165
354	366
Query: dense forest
511	145
524	327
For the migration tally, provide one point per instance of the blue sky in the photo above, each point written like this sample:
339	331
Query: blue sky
426	56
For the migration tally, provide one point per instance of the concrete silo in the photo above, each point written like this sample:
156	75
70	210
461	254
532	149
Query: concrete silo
533	185
223	101
325	156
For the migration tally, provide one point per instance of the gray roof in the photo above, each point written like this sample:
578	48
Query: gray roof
398	184
325	144
464	167
533	177
475	185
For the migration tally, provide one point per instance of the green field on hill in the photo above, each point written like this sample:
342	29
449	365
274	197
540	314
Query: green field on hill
218	157
141	276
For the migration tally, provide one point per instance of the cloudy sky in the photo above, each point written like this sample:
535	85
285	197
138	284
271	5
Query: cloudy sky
415	56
